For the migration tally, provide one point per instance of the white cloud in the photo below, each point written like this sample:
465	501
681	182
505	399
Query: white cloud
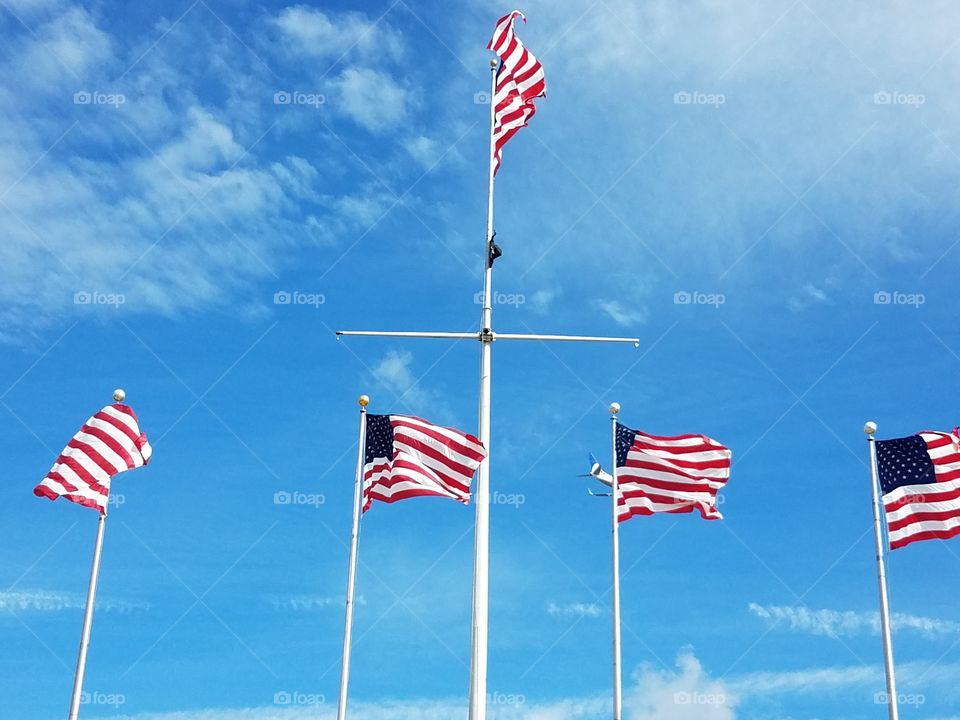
317	34
65	52
52	601
621	314
846	623
650	695
394	371
809	295
541	300
575	609
306	603
424	150
687	694
370	97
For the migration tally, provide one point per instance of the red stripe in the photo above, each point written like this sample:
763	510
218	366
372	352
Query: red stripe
462	448
96	457
926	516
925	535
676	449
928	498
625	484
81	472
444	479
631	511
945	475
111	443
413	492
118	424
672	465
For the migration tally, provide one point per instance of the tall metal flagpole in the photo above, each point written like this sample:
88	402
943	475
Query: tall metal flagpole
481	542
870	429
352	567
76	695
614	497
481	494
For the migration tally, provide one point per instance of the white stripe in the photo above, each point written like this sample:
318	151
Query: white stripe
639	475
83	490
445	431
905	511
71	477
89	465
926	526
402	437
122	417
102	449
648	504
411	480
677	442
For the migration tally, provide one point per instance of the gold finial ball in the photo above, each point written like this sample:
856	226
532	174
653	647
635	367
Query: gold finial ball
870	428
119	395
494	63
364	400
614	408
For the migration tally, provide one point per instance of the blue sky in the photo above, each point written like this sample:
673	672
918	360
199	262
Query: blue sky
764	194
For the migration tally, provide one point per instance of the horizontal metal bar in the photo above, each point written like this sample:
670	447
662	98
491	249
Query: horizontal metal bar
566	338
439	335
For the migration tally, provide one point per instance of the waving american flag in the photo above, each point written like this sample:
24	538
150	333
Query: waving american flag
920	480
676	474
108	443
406	456
520	79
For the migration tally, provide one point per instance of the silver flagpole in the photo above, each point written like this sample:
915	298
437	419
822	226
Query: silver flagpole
87	621
481	547
352	568
118	395
614	495
870	428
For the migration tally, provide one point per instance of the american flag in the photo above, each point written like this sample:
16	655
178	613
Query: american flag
108	443
920	481
406	456
669	474
520	79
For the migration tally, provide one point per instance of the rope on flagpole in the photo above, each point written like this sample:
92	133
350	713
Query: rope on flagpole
870	429
614	497
363	401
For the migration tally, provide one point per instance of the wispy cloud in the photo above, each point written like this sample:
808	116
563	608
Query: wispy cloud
307	603
621	314
846	623
52	601
575	609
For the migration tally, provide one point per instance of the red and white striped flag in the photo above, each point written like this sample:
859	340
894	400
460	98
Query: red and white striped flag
108	443
920	480
406	456
520	79
669	474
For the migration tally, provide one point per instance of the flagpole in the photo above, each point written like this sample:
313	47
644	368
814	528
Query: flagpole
87	621
118	395
614	496
481	496
870	429
352	567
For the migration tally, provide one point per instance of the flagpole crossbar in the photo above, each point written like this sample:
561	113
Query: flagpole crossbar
489	336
